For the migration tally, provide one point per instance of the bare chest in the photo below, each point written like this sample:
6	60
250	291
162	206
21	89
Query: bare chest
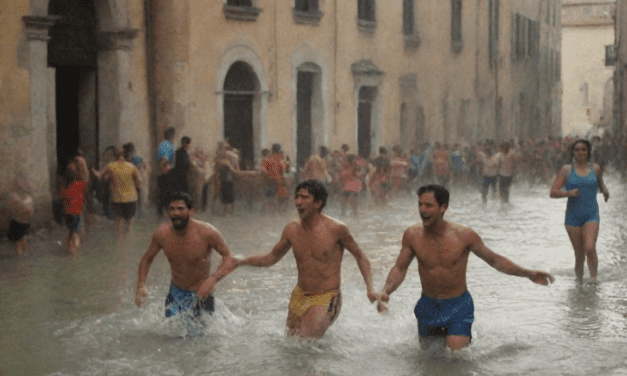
445	253
187	251
319	246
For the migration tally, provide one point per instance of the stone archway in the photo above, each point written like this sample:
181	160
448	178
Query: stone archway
240	88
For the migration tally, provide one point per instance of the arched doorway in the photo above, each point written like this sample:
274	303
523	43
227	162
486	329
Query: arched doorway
72	51
240	87
309	112
367	96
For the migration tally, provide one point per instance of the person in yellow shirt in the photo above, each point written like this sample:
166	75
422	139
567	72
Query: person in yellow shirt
125	181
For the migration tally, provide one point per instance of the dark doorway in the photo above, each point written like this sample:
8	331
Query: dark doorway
240	86
72	51
367	95
68	133
238	126
303	117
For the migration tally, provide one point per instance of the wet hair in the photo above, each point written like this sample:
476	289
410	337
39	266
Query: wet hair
169	133
439	192
316	189
129	149
276	148
581	141
324	151
181	196
186	140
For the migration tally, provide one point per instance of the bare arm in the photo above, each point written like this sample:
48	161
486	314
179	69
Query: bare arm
599	173
136	178
560	181
399	270
362	261
505	265
144	266
227	265
280	249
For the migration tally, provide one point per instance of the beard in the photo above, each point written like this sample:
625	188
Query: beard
181	225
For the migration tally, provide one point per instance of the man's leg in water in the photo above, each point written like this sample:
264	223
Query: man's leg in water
457	342
313	323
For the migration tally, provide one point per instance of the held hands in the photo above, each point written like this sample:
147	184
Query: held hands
540	277
382	306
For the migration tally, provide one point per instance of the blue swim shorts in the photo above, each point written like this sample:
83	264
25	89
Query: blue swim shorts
443	317
577	217
72	222
179	300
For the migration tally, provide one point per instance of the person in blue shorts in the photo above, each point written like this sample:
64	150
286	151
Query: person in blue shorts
580	182
445	311
188	245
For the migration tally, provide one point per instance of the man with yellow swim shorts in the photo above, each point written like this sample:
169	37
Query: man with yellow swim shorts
318	242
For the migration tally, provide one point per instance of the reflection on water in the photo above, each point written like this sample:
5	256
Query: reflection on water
76	316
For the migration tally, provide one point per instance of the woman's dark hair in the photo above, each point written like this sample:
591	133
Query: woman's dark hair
581	141
316	189
439	192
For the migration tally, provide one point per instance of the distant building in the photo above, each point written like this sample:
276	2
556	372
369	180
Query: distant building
587	28
303	73
617	55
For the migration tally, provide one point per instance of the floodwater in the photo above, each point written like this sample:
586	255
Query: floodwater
63	315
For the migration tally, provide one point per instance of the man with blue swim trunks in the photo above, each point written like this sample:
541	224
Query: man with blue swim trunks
188	245
445	310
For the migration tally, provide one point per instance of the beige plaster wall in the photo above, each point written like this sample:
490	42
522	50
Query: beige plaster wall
584	62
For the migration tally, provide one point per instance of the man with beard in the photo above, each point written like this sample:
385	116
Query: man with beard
188	244
445	311
318	242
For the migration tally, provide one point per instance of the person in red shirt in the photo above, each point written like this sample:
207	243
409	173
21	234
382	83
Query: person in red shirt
72	190
273	167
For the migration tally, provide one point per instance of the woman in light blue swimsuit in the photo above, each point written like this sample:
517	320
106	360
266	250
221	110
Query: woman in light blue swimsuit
581	182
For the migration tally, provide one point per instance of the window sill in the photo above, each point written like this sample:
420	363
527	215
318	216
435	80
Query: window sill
236	13
307	17
412	42
367	26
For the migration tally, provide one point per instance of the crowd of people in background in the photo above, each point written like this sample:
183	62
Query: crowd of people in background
116	187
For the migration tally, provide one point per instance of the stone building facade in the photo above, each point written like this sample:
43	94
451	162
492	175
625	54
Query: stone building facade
303	73
587	28
618	58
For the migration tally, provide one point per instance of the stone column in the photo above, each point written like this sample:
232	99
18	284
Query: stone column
114	86
37	164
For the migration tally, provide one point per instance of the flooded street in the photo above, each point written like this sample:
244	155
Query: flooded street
65	315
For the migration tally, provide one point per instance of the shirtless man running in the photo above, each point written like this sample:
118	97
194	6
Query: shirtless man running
187	243
318	242
445	309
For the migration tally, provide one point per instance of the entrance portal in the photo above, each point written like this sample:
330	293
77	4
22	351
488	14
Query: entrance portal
72	52
367	95
240	87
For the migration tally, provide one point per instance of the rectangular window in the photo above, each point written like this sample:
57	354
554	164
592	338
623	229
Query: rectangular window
365	10
493	31
306	5
408	17
240	3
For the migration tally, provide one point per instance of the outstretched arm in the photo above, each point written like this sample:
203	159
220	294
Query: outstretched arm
399	271
144	266
228	264
280	249
505	265
362	261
